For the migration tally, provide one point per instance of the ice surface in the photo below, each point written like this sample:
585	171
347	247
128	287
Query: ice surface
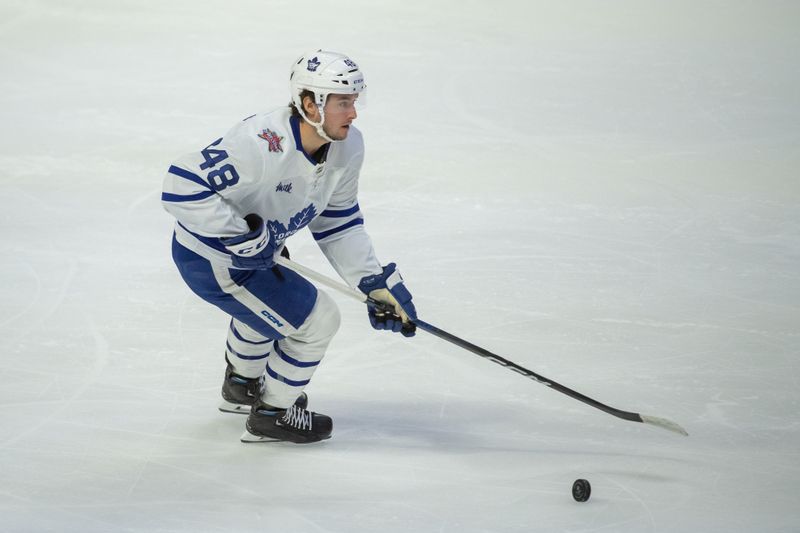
604	192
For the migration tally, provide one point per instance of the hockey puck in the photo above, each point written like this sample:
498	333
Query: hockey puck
581	490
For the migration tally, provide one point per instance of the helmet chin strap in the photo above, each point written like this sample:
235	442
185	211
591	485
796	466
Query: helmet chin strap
317	125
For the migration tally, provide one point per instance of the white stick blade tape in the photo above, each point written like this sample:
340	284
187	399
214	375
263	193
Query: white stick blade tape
669	425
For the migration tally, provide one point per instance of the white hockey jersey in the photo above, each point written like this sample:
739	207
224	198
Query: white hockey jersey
260	167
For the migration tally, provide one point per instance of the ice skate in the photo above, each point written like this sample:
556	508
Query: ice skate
240	393
295	424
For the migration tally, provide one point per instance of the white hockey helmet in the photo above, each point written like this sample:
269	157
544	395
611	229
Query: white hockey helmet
323	72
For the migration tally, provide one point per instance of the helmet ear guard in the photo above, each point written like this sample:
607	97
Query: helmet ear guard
323	73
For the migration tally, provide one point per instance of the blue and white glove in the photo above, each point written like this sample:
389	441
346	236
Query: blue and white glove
253	250
399	311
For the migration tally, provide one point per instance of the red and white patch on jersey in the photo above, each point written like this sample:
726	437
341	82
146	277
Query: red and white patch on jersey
273	140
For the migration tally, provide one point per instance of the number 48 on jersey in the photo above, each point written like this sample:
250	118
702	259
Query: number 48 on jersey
222	177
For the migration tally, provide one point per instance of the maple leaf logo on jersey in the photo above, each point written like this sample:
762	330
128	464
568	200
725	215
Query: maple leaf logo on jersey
273	140
296	223
313	64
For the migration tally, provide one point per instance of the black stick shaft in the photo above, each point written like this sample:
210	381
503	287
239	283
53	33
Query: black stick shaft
663	423
486	354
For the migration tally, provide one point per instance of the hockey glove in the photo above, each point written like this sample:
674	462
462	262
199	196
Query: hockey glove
253	250
397	312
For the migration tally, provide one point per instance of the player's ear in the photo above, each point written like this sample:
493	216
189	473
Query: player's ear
310	108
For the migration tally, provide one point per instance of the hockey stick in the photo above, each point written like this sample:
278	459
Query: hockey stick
663	423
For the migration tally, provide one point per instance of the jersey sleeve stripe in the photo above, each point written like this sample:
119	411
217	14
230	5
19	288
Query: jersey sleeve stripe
324	234
169	197
185	174
337	213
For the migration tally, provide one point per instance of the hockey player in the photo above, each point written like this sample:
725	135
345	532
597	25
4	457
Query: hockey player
238	200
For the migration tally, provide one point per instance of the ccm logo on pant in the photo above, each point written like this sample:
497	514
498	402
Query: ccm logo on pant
272	319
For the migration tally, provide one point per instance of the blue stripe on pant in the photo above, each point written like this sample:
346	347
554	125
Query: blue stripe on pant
238	336
279	289
246	357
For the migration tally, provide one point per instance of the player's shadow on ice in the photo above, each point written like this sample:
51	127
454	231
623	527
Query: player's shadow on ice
462	426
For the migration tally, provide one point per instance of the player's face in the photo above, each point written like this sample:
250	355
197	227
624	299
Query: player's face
340	112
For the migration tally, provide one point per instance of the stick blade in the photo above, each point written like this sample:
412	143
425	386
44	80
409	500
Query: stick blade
664	423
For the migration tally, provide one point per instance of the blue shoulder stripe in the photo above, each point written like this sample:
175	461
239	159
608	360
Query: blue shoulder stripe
337	213
169	197
185	174
323	234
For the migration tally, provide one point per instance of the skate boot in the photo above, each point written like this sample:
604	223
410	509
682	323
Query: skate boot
240	393
295	424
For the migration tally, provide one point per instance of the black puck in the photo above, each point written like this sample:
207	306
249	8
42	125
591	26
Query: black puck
581	490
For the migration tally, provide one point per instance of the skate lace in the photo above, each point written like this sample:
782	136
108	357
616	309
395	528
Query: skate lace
297	418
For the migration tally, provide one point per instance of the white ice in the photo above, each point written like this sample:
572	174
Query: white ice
604	192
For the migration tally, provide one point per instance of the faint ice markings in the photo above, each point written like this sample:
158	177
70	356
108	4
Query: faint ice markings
27	291
680	325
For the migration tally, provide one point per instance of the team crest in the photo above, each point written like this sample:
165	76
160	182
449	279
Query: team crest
313	64
280	232
273	140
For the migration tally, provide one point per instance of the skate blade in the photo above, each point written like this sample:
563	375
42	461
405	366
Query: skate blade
250	438
237	408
